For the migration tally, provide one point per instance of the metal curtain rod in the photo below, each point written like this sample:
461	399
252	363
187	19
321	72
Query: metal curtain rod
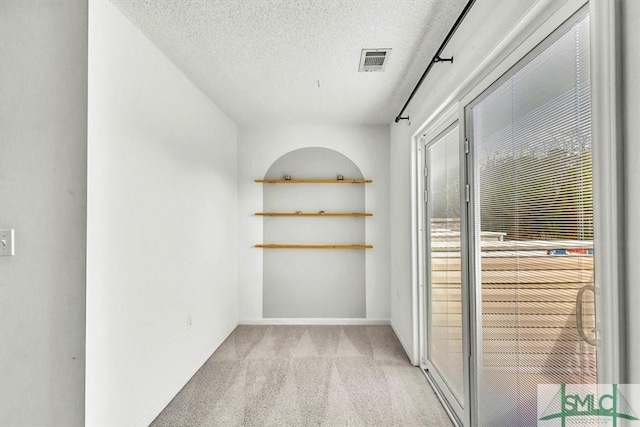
436	57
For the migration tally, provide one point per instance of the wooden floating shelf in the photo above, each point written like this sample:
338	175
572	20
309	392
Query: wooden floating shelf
312	214
314	181
278	246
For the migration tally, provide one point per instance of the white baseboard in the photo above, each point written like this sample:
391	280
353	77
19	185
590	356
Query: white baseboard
157	408
316	321
404	346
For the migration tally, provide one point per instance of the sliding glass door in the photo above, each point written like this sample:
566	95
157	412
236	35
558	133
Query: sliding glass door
444	360
509	245
532	229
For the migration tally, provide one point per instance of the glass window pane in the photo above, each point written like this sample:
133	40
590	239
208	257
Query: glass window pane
445	321
533	189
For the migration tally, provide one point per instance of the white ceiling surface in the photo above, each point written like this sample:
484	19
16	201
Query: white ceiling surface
260	61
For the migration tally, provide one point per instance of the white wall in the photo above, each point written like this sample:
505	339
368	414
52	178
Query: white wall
368	148
43	196
472	42
630	13
162	215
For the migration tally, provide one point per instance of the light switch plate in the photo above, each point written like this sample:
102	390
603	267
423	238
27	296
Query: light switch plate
6	243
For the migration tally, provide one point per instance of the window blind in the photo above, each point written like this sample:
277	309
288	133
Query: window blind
531	140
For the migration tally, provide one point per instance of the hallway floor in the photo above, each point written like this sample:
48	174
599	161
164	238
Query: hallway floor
307	376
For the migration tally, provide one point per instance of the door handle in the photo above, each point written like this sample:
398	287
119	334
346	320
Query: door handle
579	298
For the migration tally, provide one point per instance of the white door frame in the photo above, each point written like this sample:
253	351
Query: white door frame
457	412
607	191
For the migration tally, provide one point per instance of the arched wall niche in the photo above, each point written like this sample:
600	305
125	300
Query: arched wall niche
314	283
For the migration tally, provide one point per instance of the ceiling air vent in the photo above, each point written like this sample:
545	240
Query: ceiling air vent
372	60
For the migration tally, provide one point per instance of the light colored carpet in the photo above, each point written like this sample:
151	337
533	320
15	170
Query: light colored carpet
307	376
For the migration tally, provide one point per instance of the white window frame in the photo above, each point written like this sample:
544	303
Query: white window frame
457	412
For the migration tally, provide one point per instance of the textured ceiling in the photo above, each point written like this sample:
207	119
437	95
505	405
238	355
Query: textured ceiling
260	61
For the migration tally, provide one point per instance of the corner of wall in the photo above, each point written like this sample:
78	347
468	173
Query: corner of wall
408	349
